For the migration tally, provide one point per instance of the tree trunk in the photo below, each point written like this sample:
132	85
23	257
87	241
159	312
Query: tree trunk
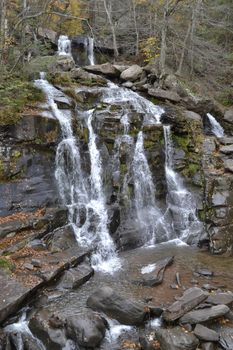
163	49
109	15
136	28
3	22
179	70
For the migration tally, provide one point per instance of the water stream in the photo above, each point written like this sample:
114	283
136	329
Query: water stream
216	128
64	46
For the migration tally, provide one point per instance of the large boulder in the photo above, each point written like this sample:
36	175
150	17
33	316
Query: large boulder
65	63
62	239
126	311
86	329
164	95
176	339
85	77
207	314
76	276
228	115
106	68
205	334
132	73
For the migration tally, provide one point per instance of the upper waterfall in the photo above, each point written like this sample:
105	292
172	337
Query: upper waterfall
216	128
64	45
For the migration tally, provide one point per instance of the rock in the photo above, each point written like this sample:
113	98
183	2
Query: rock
228	115
226	338
48	34
75	277
37	244
226	140
120	67
227	149
156	277
155	311
199	316
205	334
192	115
30	343
83	76
220	298
228	165
106	68
176	339
128	84
208	346
62	239
86	329
132	73
209	287
190	299
128	312
164	95
65	63
28	266
36	263
205	272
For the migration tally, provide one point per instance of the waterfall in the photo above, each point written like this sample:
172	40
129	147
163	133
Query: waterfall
64	46
90	51
180	201
149	216
216	128
83	196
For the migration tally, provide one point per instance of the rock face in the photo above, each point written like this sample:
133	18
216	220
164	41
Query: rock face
127	312
176	339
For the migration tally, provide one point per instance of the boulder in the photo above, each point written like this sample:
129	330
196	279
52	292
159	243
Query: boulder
48	34
190	299
126	311
220	298
228	116
156	277
106	68
65	63
62	239
192	115
176	339
83	76
132	73
227	149
120	67
208	346
86	329
205	334
228	165
164	95
199	316
75	277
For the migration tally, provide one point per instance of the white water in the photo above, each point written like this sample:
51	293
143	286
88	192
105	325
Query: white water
148	213
90	51
83	196
180	201
216	128
21	327
64	46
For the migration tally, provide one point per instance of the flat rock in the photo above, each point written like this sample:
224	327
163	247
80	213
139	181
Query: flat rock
190	299
226	140
75	277
199	316
220	298
228	115
62	239
156	277
192	115
228	165
126	311
81	74
205	272
227	149
205	334
226	338
105	68
164	95
176	339
132	73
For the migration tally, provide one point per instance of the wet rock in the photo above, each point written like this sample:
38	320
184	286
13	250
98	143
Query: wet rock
37	244
155	311
205	334
146	343
226	140
128	84
132	73
62	239
126	311
156	277
30	343
176	339
164	95
220	298
86	329
208	346
52	338
199	316
75	277
190	299
106	68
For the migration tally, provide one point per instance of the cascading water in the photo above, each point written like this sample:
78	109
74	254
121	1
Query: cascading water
216	128
180	202
84	198
64	46
149	216
90	51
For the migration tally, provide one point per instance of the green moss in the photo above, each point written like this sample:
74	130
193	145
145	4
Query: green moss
123	169
6	264
191	169
182	142
148	144
60	78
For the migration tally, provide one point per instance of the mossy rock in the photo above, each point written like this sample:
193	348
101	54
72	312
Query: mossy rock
40	64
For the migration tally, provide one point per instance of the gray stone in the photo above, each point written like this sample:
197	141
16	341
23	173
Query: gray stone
205	272
164	95
192	115
176	339
28	266
105	68
208	346
228	116
132	73
120	67
228	164
226	338
65	63
81	74
199	316
156	277
36	263
128	84
226	140
190	299
205	334
125	311
75	277
227	149
220	298
62	239
86	329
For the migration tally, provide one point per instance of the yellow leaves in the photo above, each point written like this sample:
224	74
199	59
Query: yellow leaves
150	49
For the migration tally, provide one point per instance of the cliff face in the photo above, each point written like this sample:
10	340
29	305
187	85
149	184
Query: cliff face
28	149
